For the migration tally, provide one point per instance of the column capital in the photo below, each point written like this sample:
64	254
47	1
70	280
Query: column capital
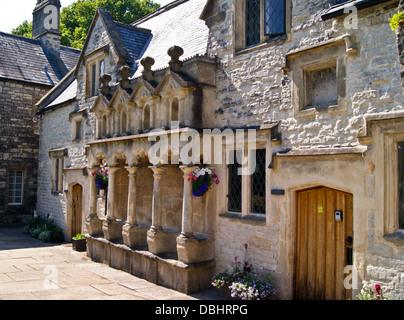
93	169
112	170
188	169
157	170
132	169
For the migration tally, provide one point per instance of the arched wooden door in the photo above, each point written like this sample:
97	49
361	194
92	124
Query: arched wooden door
77	208
324	242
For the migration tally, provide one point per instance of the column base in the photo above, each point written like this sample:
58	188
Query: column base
94	225
112	229
191	249
134	236
159	241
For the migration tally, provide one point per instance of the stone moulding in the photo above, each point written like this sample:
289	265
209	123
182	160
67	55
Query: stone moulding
167	272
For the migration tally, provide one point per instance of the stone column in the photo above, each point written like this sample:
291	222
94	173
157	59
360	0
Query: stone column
157	240
132	234
187	216
93	223
111	228
189	248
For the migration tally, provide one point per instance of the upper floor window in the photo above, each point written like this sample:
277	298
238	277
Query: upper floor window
95	69
257	21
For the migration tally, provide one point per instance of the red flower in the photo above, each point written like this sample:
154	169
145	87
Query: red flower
195	178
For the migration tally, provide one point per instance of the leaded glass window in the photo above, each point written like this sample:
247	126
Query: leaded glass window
274	17
258	183
234	195
253	22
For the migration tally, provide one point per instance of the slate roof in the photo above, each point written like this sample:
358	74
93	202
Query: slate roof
24	59
135	39
178	24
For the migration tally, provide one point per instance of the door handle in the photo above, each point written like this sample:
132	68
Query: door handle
348	240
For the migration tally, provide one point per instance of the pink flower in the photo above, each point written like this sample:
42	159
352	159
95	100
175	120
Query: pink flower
377	287
214	176
195	178
191	174
217	181
189	179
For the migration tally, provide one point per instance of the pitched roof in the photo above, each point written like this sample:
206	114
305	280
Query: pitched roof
127	41
178	24
24	59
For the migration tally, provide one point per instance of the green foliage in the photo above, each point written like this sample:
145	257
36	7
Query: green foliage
395	21
42	228
24	29
78	236
75	20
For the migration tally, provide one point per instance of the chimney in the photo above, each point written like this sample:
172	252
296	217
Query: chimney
45	25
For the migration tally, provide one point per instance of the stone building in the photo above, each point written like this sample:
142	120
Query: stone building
28	69
312	89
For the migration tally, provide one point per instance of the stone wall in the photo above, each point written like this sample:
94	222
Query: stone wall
56	133
18	145
254	85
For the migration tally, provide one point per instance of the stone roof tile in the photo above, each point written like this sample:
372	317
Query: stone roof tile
24	59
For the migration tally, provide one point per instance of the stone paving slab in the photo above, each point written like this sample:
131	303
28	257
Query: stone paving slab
33	270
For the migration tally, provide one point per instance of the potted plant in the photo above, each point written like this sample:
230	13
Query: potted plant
101	178
79	243
244	283
202	181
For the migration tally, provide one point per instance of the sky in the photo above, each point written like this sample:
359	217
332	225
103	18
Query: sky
12	13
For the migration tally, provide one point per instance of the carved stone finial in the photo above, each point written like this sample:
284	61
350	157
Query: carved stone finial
175	52
125	71
105	79
147	63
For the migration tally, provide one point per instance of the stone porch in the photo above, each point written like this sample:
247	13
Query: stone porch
153	227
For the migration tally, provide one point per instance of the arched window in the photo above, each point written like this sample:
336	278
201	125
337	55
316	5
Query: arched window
146	117
174	110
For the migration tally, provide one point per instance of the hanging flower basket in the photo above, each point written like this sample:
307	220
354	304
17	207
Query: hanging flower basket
101	179
202	181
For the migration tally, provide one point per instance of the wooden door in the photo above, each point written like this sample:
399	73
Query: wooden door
323	244
76	209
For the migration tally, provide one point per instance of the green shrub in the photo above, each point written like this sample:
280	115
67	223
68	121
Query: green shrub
395	21
45	236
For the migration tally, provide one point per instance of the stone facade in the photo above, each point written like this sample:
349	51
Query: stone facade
26	74
258	84
19	146
325	101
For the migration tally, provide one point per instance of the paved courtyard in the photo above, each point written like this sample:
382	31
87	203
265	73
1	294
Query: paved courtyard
33	270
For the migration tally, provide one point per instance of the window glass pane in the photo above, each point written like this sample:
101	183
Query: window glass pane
252	22
93	79
401	184
102	65
274	17
234	195
258	183
15	187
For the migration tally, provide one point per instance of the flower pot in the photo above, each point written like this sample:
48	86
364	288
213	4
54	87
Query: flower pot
79	244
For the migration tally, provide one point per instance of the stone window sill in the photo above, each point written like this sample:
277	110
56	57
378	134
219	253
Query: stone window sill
252	218
396	238
278	40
